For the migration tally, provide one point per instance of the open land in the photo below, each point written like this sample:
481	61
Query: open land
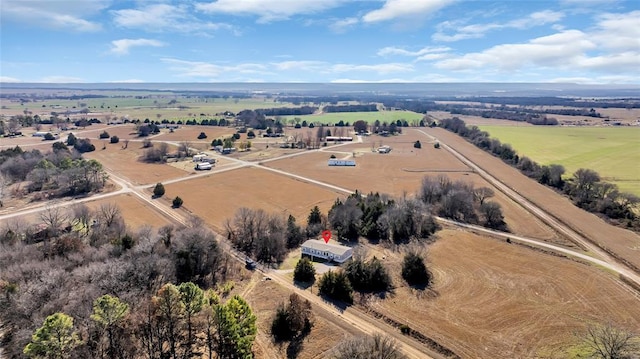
613	152
216	197
490	299
500	300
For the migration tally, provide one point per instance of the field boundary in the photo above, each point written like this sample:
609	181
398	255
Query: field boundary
441	349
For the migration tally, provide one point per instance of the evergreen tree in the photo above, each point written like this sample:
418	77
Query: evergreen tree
304	272
54	339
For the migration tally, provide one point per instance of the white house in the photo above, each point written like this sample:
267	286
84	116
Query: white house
333	252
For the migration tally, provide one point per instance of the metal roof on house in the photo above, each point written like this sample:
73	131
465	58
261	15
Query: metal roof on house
322	246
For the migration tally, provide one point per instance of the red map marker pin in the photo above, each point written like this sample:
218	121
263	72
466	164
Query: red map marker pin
326	235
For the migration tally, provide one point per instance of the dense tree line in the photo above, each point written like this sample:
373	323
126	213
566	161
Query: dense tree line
584	187
60	172
351	108
378	217
461	201
522	115
287	111
144	316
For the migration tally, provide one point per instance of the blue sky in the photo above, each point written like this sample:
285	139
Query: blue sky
581	41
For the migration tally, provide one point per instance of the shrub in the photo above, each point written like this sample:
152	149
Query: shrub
146	143
304	272
417	144
414	270
336	285
202	136
436	145
158	190
71	139
114	139
370	276
332	156
49	137
104	135
177	202
84	145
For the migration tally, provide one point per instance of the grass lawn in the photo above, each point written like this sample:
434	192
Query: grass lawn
613	152
351	117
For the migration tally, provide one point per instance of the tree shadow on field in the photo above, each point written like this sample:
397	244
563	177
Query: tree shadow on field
303	285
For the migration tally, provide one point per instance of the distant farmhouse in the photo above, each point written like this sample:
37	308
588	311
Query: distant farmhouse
332	252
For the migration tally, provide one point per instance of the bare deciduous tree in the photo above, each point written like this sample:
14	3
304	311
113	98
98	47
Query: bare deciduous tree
609	342
376	346
81	215
108	213
54	217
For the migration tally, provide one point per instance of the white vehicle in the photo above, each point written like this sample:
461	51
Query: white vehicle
203	166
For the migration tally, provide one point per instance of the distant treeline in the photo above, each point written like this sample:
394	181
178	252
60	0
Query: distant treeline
585	188
351	108
287	111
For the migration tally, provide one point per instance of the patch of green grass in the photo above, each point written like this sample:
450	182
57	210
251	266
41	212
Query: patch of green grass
613	152
351	117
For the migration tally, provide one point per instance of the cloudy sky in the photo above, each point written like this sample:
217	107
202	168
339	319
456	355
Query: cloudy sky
582	41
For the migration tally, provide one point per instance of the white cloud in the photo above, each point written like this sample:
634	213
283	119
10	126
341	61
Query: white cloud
127	81
59	14
61	79
619	32
377	68
122	46
164	18
204	69
558	50
476	31
300	65
393	9
273	10
390	50
343	24
9	79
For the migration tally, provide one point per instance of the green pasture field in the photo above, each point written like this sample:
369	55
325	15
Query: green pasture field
613	152
141	108
351	117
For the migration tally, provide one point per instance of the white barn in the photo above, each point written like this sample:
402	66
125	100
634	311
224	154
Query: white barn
333	252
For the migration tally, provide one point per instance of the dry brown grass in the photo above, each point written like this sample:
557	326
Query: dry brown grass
216	197
491	299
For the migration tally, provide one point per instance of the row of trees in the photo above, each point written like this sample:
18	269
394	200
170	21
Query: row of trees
368	276
584	187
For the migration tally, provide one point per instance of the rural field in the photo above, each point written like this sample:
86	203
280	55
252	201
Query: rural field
528	293
613	152
491	299
624	243
216	197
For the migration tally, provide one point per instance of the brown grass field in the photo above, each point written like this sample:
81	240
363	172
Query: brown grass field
491	299
216	198
125	162
264	297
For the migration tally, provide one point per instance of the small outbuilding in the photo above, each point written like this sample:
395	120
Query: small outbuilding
332	252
